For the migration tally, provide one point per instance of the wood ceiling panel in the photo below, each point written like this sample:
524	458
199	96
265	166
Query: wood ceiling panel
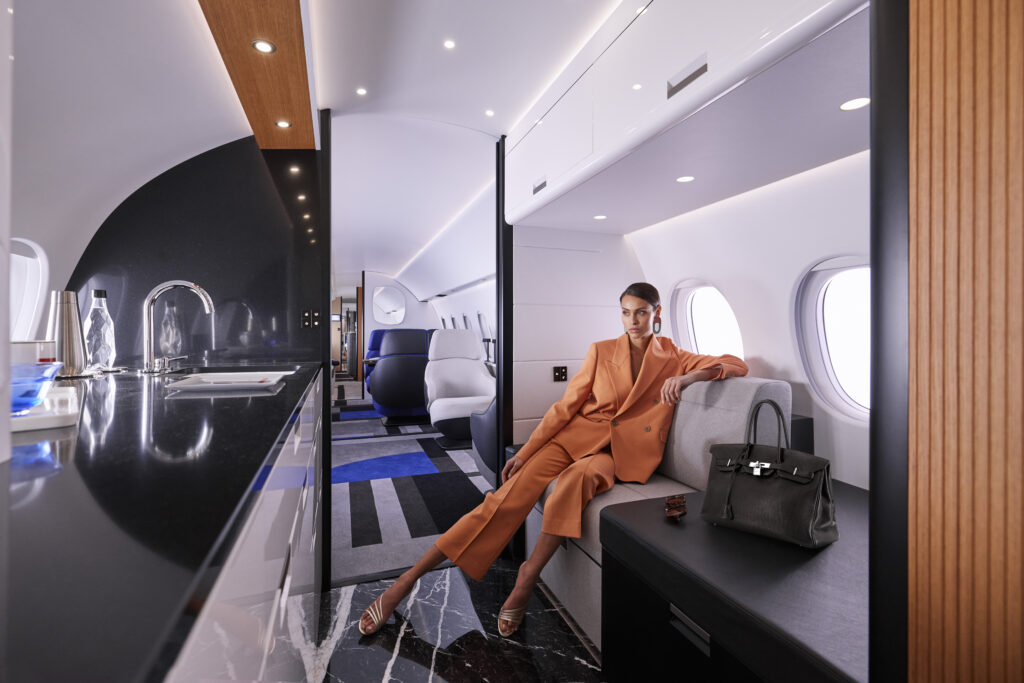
271	87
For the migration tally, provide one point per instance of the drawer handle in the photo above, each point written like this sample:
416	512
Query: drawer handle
540	185
697	636
687	75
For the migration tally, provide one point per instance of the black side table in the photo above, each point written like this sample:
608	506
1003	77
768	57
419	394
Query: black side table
699	602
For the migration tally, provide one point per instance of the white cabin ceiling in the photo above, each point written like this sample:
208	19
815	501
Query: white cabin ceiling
417	148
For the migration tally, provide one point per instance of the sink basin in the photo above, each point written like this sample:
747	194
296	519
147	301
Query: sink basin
235	369
218	380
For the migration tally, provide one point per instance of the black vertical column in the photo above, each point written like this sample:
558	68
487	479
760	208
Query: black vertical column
503	357
890	259
325	345
503	289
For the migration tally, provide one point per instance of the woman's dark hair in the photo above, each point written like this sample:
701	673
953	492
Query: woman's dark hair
642	290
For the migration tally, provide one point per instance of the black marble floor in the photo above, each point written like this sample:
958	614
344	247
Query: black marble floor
447	631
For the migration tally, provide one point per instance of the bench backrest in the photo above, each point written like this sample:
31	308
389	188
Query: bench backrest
716	412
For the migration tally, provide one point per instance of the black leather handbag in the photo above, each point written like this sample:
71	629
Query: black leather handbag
772	491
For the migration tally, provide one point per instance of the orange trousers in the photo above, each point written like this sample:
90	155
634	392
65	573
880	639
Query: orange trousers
475	541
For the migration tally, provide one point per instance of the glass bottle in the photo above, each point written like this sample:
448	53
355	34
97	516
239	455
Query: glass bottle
99	333
170	331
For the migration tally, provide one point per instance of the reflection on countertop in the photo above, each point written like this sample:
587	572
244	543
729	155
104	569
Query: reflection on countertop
112	522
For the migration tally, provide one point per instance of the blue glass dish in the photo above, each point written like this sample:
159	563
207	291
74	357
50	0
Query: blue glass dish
29	384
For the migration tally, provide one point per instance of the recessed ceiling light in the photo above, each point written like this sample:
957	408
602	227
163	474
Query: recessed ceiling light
361	91
685	179
539	121
449	44
313	241
600	218
294	169
637	86
641	10
10	10
309	229
489	112
264	46
306	216
855	103
302	197
284	124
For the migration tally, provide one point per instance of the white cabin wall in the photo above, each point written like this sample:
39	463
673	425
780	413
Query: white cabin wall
480	298
418	314
566	288
756	248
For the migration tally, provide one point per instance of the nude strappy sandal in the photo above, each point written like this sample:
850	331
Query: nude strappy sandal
376	616
514	616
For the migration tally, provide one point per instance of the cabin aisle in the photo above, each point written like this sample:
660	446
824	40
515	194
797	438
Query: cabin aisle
392	498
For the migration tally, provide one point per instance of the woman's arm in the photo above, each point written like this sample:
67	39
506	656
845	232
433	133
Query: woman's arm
698	368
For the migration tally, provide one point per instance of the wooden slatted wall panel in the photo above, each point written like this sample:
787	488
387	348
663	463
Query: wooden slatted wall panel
965	503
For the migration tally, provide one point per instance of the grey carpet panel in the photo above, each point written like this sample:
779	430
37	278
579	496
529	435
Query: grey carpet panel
417	516
366	530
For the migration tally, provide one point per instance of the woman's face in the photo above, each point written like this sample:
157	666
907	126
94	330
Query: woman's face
638	317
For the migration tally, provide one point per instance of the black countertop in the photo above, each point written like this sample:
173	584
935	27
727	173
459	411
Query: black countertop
113	531
787	612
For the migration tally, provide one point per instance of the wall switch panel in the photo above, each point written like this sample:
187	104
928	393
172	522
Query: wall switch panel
561	373
307	318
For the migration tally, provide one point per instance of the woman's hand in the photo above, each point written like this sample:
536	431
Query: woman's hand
511	467
673	386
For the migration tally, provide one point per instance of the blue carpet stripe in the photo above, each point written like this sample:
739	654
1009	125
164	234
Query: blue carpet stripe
356	415
384	467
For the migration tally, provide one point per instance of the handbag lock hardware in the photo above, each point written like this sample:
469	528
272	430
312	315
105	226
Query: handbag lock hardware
758	466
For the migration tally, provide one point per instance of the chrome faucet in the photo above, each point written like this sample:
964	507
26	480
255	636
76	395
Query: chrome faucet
149	362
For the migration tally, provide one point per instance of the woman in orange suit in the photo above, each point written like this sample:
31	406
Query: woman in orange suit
611	424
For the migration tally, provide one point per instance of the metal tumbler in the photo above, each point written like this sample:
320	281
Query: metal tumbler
64	326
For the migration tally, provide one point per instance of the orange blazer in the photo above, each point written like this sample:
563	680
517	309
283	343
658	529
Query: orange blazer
602	406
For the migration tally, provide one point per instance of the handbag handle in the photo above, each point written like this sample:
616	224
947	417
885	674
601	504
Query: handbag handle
752	425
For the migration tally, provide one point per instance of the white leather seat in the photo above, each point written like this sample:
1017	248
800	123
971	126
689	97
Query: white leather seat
456	380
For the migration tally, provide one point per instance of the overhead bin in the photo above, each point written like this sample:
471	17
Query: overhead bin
673	58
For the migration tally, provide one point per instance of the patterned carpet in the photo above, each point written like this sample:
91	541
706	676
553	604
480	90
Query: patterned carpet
392	497
359	420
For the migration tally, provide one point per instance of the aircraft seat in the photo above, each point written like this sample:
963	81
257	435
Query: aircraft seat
396	383
457	381
483	427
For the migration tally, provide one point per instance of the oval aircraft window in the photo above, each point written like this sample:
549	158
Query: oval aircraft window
833	321
388	305
846	319
713	326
